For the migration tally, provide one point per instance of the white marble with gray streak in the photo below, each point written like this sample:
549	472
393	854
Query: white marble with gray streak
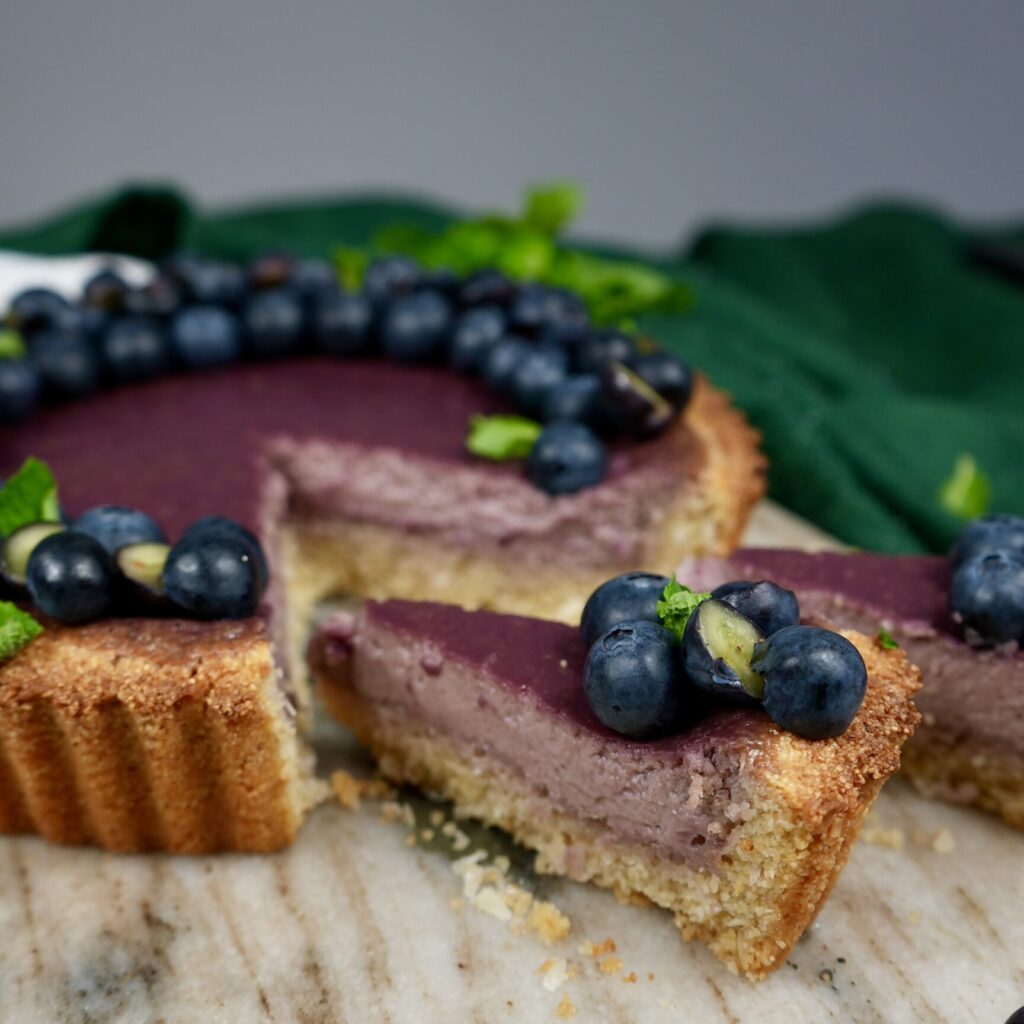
351	924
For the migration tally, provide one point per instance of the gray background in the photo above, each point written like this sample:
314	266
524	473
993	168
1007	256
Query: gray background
671	113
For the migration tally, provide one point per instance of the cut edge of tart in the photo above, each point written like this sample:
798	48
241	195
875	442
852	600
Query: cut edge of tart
759	824
703	510
152	734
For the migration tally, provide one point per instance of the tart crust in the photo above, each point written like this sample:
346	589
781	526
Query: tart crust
146	734
809	800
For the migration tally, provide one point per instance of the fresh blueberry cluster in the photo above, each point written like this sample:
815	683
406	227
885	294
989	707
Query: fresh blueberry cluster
986	593
116	560
660	656
532	343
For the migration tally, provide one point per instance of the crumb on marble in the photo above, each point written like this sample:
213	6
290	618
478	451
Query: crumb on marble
547	922
630	979
597	949
426	834
436	818
914	917
878	834
610	965
556	974
566	1009
347	788
943	842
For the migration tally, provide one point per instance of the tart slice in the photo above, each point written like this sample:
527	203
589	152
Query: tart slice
152	734
734	825
970	747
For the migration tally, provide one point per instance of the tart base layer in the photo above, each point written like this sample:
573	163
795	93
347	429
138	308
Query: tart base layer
151	734
805	804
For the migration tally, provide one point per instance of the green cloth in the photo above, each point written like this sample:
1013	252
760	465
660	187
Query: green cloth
867	349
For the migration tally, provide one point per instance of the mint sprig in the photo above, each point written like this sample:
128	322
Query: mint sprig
967	494
30	496
17	628
502	437
886	641
12	345
678	602
526	248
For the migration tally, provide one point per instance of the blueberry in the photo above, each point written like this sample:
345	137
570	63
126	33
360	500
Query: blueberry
541	369
566	458
579	398
814	680
668	375
216	284
71	577
222	526
415	328
20	386
341	323
160	298
314	279
501	360
444	281
599	348
984	536
134	348
67	365
273	321
38	309
717	646
631	596
271	270
537	307
105	290
634	408
205	336
631	682
986	594
114	526
475	333
769	606
390	277
213	576
487	288
18	546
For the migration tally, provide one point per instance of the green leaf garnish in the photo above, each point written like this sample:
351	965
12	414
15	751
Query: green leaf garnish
549	208
967	493
30	496
886	641
677	604
17	628
614	290
502	437
351	266
12	345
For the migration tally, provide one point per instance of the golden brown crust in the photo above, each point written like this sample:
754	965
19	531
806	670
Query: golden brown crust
150	734
809	802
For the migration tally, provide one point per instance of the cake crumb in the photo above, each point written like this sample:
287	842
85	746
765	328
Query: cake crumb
879	835
610	965
457	903
914	917
426	834
347	788
943	841
630	979
489	901
410	839
650	976
547	922
566	1009
556	974
436	818
598	949
664	1004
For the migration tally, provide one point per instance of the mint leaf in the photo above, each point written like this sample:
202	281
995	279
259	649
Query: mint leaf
886	641
550	208
967	494
351	266
677	604
11	345
502	437
17	628
30	496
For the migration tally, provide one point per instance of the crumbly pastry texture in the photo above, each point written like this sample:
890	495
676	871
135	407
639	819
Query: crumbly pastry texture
808	801
146	734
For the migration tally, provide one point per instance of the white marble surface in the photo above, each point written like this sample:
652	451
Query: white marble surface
352	924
